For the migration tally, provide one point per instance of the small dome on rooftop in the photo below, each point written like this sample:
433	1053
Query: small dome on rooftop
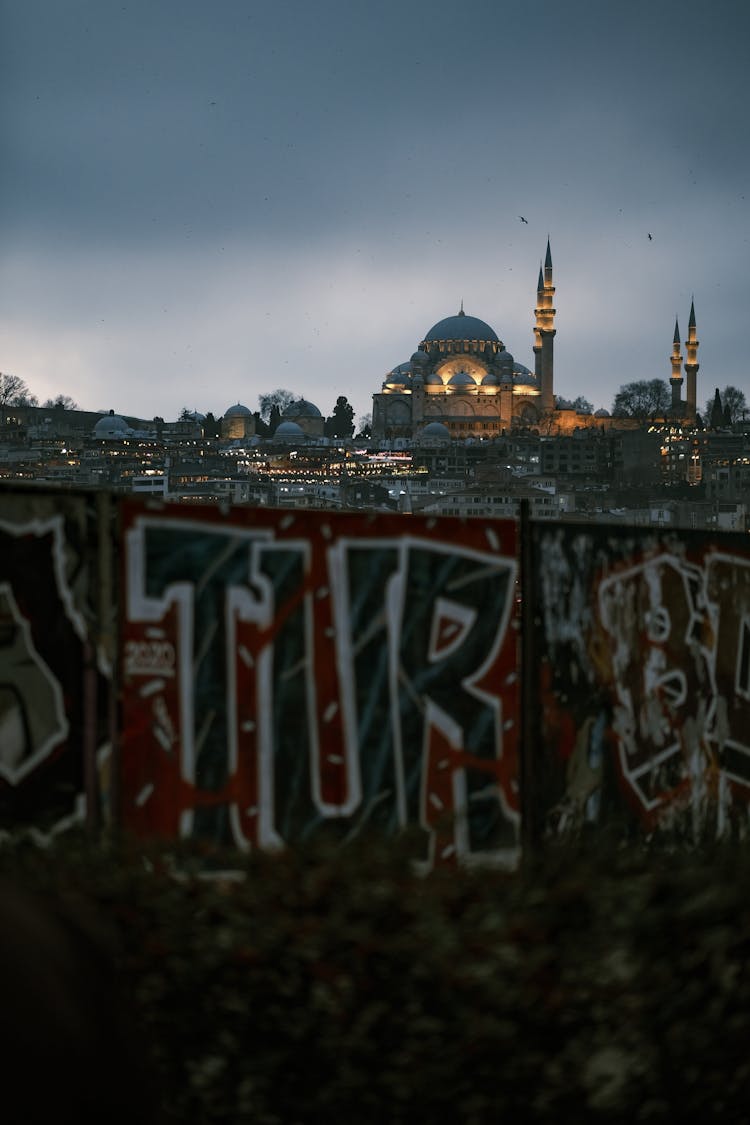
301	408
462	379
111	425
435	430
400	376
522	374
289	430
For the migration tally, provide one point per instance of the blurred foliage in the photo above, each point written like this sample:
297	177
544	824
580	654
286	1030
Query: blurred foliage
594	984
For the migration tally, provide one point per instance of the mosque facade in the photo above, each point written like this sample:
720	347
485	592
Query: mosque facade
462	381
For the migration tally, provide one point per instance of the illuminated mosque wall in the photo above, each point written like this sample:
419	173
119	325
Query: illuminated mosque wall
463	382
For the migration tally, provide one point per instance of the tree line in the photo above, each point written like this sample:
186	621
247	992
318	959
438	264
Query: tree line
646	399
642	399
15	392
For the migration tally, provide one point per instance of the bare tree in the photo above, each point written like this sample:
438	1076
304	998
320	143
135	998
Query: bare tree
280	398
61	402
645	398
581	405
14	392
364	429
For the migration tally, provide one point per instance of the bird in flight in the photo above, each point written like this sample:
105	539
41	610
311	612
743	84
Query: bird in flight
650	238
523	220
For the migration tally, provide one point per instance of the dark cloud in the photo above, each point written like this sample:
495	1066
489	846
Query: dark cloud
364	165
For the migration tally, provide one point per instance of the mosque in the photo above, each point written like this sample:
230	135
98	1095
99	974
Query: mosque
462	382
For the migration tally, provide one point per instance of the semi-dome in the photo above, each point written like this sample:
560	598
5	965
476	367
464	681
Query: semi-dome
460	327
237	410
491	380
400	376
462	379
419	357
602	413
522	375
301	408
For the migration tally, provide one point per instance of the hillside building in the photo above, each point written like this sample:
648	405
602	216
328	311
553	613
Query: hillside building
462	382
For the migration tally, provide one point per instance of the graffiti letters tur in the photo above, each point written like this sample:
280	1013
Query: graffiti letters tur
288	682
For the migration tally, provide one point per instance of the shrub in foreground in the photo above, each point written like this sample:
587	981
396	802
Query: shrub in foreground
340	985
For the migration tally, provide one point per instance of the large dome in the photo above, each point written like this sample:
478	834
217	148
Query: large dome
461	327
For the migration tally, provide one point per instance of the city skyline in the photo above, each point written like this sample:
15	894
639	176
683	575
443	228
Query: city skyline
201	205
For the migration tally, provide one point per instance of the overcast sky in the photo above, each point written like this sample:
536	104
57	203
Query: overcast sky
201	202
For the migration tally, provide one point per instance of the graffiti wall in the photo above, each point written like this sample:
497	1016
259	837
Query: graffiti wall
280	675
53	670
285	674
642	652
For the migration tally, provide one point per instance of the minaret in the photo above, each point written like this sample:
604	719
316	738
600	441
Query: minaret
537	328
544	333
691	365
676	380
